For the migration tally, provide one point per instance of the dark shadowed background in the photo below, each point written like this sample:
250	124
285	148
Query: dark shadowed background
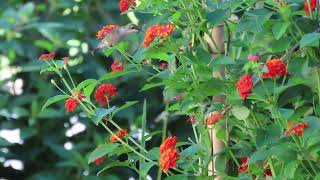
53	144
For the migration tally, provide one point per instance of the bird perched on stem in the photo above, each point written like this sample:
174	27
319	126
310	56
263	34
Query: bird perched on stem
115	35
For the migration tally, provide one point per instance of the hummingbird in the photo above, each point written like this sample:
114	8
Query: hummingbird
115	36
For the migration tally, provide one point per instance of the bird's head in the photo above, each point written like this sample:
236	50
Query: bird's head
128	29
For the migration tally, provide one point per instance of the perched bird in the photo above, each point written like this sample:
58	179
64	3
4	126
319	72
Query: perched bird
117	34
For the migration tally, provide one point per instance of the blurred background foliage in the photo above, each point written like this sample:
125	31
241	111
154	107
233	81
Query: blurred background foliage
52	144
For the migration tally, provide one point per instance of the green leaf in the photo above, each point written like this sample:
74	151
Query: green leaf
240	112
270	134
112	75
279	28
101	151
151	134
54	100
100	113
154	153
280	45
177	177
174	107
86	82
115	164
108	51
155	54
145	167
125	106
87	91
259	155
190	151
290	169
217	16
284	151
149	86
48	69
212	87
310	39
223	60
286	113
253	20
59	64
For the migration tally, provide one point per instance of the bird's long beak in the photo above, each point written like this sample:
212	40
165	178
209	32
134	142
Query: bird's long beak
129	31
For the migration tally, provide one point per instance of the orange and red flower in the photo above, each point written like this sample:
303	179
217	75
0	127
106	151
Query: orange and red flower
276	67
297	129
116	66
48	56
313	4
168	154
104	93
157	31
124	5
244	86
213	118
105	30
120	134
71	103
168	159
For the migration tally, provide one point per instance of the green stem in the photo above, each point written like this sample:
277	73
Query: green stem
164	133
197	140
66	68
125	144
306	168
60	88
130	138
310	9
318	85
272	168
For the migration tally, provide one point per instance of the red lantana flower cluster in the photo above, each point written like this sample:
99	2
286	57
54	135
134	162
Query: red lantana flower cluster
244	86
213	118
297	129
71	103
120	134
244	166
124	5
99	160
105	30
116	66
157	31
313	4
104	93
168	154
276	67
45	57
